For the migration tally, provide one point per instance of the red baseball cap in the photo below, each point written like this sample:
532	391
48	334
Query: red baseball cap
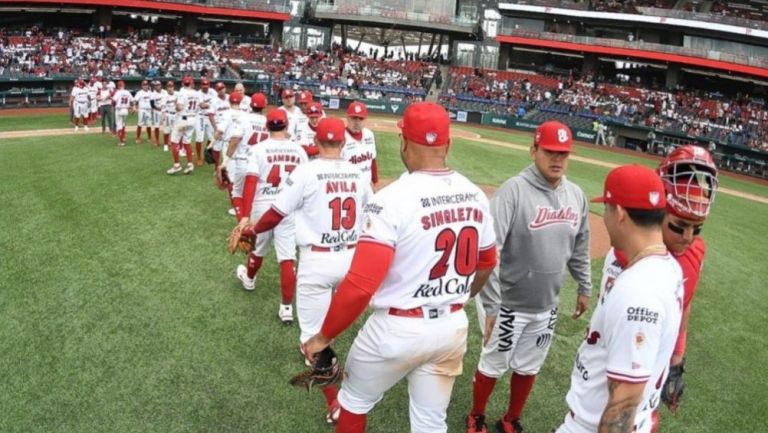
205	82
277	117
235	98
315	109
186	81
633	187
357	109
220	86
554	136
258	100
305	97
330	130
287	93
426	123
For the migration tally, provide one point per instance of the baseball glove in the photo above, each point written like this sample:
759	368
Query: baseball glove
673	387
325	371
208	155
239	240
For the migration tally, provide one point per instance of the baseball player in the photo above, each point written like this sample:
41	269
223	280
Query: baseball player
624	358
168	114
123	106
93	92
184	126
305	98
306	133
221	109
245	105
143	99
542	228
230	172
106	110
157	101
295	116
427	246
327	225
206	122
269	164
360	147
79	101
690	180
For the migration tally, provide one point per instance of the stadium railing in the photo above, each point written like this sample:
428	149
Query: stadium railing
756	61
379	12
260	5
705	16
565	4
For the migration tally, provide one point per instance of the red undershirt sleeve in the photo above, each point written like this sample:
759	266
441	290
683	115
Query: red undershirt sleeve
268	221
249	193
487	259
374	172
368	270
311	150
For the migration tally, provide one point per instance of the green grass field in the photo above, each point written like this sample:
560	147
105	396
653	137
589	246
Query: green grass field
120	312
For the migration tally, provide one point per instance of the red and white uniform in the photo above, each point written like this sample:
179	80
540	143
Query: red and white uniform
326	197
203	126
237	127
221	109
143	100
80	105
93	93
245	106
437	223
361	151
305	136
186	104
631	338
295	119
123	101
157	112
168	113
271	162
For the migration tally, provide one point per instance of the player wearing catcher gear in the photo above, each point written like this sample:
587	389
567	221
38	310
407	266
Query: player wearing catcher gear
143	99
326	197
158	98
123	105
206	121
690	180
426	246
542	229
624	358
269	164
360	148
184	126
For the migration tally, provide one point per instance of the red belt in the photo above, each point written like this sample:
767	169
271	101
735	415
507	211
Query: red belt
418	312
317	249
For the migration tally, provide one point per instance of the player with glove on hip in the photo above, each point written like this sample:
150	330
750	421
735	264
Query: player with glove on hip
326	197
427	245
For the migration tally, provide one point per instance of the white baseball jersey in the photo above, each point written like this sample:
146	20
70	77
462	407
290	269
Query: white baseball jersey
93	91
272	161
159	98
631	337
206	98
122	98
327	196
80	95
104	97
143	98
220	106
437	222
187	101
245	105
360	152
295	119
306	135
169	102
259	131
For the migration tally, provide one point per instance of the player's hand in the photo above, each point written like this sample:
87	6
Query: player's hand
315	345
490	322
676	360
582	305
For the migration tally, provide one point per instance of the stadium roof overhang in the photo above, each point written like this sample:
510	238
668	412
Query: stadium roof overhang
145	5
636	54
394	24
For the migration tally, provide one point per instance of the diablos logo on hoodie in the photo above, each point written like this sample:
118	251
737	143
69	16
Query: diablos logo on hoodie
548	216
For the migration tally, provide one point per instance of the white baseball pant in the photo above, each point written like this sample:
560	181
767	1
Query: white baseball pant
237	167
82	109
573	425
145	117
283	236
157	119
519	341
427	352
121	116
183	128
203	128
167	121
318	275
94	107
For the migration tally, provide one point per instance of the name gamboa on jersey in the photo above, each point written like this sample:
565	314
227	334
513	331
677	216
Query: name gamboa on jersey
630	338
437	222
272	161
327	196
360	152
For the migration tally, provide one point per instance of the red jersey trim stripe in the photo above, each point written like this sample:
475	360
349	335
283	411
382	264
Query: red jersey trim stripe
375	241
627	378
282	214
493	245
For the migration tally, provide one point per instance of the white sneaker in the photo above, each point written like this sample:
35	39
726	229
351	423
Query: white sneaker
242	274
183	152
232	212
86	128
165	148
175	169
190	168
285	313
77	128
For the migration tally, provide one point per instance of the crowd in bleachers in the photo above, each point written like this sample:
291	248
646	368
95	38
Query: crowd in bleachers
739	121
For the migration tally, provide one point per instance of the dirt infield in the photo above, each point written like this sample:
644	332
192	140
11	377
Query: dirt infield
33	111
599	241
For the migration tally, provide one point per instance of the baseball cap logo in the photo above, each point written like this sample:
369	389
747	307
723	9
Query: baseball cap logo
607	194
358	109
653	197
330	135
538	137
431	137
562	135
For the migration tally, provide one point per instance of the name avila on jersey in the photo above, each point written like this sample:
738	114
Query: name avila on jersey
451	286
339	237
357	159
547	216
337	186
450	216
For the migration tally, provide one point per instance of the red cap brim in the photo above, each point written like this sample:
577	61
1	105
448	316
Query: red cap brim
599	200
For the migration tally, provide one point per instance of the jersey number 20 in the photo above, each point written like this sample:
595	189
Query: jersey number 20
466	246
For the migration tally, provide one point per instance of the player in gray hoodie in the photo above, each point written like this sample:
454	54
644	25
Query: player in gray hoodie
542	228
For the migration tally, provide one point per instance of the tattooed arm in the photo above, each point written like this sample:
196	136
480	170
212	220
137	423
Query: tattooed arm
623	400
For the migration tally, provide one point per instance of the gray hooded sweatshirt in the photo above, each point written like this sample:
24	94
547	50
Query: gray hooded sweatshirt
540	231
